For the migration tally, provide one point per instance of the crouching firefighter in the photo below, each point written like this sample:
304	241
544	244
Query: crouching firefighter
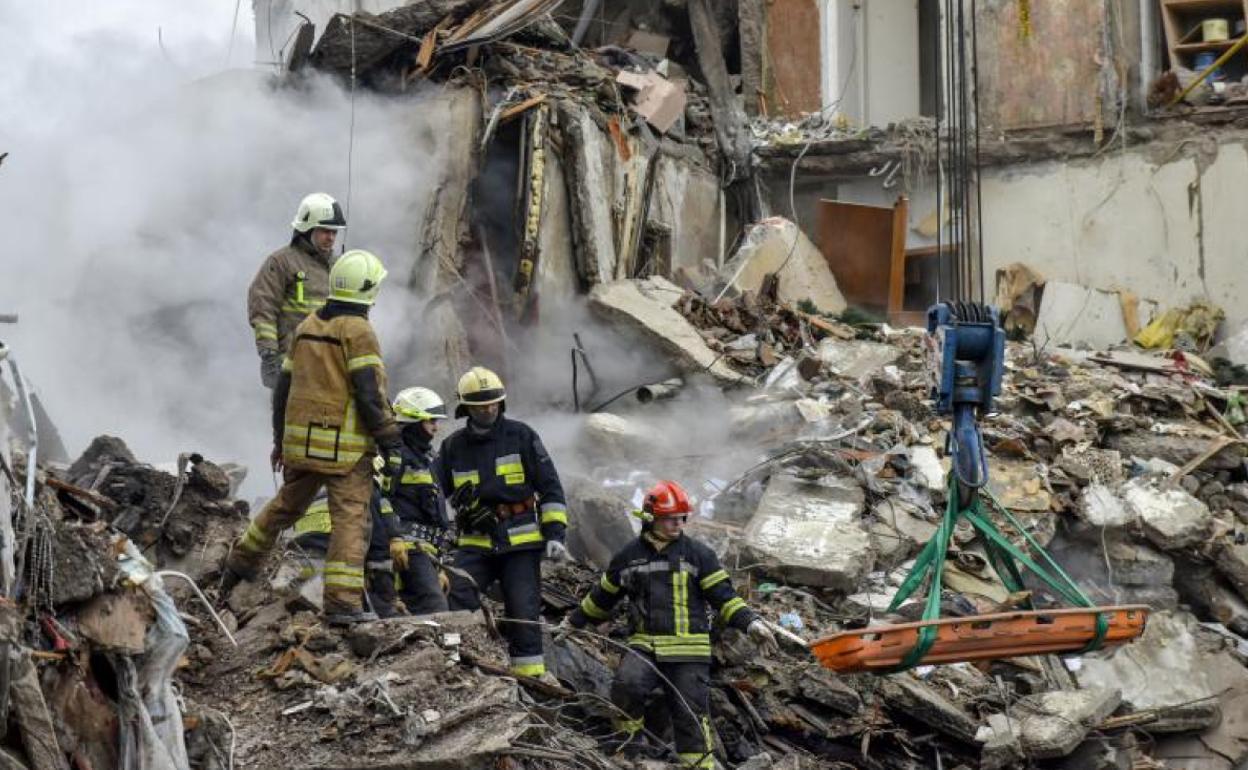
672	582
330	416
312	531
419	506
510	511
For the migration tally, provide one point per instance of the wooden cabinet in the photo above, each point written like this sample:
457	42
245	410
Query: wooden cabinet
1183	19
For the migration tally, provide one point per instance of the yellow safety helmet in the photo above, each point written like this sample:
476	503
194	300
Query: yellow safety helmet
318	210
478	387
418	405
356	277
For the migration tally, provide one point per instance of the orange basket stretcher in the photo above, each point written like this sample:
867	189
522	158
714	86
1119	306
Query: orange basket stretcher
884	648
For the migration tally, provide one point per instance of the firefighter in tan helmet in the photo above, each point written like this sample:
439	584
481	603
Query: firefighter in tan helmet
330	418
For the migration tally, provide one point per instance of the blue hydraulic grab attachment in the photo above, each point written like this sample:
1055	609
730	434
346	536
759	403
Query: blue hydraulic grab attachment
966	361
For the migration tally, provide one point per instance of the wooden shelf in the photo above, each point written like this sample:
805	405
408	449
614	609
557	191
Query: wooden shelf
1182	20
1204	6
1219	45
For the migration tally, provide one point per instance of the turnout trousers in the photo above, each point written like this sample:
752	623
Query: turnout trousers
419	589
348	541
519	574
687	689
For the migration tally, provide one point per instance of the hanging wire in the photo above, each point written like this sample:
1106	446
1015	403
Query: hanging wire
350	133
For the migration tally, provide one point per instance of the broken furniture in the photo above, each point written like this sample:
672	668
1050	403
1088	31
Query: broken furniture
866	248
966	351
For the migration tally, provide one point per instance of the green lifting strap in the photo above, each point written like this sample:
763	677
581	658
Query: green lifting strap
1004	556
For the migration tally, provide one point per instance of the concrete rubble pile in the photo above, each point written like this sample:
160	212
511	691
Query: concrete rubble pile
91	630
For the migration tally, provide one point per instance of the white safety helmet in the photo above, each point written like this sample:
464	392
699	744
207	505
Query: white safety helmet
418	405
318	210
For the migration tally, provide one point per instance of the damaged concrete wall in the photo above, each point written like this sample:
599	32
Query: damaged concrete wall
556	267
1160	222
1056	63
687	201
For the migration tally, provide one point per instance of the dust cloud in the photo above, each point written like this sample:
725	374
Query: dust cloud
146	180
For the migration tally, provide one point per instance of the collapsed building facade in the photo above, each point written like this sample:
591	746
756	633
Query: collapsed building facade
660	159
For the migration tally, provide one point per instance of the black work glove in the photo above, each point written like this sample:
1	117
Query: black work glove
270	367
393	472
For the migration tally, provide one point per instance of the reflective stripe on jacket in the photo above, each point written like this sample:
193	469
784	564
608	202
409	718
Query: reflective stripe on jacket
321	425
291	283
509	465
671	596
417	499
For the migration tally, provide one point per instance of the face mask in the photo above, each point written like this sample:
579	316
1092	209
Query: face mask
483	420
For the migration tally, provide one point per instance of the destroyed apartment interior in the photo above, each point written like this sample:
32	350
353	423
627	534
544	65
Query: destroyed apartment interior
740	384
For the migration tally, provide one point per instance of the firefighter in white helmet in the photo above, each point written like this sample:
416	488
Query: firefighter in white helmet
418	503
293	281
330	418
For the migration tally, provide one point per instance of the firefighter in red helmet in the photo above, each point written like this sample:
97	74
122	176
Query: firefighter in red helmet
673	583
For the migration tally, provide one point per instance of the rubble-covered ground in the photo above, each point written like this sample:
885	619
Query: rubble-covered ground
1127	468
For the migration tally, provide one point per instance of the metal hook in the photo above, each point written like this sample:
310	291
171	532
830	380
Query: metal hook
880	170
891	180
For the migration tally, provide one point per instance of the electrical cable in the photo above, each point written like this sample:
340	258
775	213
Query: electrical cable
350	133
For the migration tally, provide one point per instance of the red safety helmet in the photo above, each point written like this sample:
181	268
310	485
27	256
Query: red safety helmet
667	498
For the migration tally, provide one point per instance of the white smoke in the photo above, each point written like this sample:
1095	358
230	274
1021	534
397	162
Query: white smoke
144	185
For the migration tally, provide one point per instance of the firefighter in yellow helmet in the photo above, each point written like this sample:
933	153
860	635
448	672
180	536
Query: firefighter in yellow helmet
293	281
330	418
510	511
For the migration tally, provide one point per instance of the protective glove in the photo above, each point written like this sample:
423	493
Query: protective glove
398	553
393	472
270	367
557	551
763	637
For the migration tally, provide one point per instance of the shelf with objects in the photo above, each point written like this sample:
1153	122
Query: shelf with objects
1198	32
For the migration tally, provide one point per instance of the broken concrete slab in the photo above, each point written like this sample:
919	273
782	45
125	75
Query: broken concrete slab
1018	484
1174	448
776	244
855	359
1171	667
1139	564
1052	724
556	278
1231	559
809	531
911	698
589	178
927	468
1170	517
687	200
606	437
645	305
1100	507
599	527
1002	748
1076	316
1205	593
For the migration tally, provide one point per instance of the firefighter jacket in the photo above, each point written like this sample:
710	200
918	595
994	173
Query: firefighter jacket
330	407
671	593
512	471
291	283
418	502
